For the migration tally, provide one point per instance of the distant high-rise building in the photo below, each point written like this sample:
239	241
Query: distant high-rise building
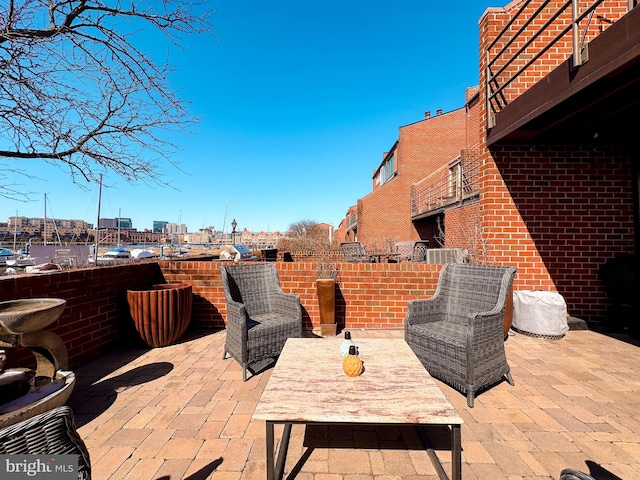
159	226
176	228
125	223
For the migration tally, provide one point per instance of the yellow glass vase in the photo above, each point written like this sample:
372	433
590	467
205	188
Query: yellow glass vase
352	365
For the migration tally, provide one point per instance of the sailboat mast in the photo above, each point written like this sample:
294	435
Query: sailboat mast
224	224
45	219
15	232
95	249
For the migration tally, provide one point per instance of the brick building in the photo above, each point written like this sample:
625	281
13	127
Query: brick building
385	214
547	176
559	195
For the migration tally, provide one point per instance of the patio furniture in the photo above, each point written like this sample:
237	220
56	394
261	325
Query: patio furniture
49	433
458	334
308	386
540	314
354	252
570	474
260	317
419	252
404	250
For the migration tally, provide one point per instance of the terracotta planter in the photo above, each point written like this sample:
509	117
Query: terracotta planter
326	288
161	314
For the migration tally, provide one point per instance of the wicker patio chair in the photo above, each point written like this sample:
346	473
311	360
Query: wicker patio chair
403	250
458	334
354	252
260	317
50	433
419	252
570	474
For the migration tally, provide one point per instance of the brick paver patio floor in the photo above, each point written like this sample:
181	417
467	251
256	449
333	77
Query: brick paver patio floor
181	412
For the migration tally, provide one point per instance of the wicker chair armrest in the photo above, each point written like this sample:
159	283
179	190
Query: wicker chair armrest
486	323
53	432
287	304
424	310
483	317
237	316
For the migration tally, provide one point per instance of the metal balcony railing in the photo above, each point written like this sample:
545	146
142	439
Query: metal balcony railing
448	186
352	222
509	55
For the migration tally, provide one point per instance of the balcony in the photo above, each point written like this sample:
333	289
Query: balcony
451	185
573	77
352	223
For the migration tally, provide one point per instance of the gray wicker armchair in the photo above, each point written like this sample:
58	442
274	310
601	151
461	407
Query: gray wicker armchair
458	334
570	474
260	317
50	433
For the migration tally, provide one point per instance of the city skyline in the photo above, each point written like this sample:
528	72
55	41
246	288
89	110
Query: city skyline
127	223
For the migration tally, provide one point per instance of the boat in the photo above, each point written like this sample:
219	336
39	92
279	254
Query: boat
113	256
142	253
21	261
237	253
46	267
6	255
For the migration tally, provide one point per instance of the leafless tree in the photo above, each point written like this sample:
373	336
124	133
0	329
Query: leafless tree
75	90
304	229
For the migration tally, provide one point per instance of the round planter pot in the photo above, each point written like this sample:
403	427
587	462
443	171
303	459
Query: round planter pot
162	313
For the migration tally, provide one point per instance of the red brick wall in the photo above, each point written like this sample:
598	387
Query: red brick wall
565	210
464	228
423	147
368	295
556	212
96	318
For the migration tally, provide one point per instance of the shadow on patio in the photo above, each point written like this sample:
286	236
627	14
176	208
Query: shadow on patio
181	412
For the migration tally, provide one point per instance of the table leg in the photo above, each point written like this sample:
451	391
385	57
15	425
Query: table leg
270	452
456	452
275	470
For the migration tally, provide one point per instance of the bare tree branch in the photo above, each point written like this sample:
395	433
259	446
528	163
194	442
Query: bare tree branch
75	91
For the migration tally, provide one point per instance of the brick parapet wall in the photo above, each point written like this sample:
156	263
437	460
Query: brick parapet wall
368	295
96	318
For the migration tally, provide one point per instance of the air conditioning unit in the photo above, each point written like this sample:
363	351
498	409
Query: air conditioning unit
445	255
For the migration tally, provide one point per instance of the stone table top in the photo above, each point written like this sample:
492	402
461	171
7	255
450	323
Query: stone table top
308	385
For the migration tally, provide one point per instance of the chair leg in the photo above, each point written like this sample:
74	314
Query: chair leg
509	378
470	395
244	373
224	354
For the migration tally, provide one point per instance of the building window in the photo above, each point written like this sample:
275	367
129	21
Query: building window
386	171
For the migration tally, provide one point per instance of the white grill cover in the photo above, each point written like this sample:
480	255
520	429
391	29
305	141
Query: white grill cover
539	312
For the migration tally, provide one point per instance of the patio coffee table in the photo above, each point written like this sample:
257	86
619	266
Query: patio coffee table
307	386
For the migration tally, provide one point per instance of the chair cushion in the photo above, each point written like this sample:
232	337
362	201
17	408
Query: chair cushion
442	331
257	324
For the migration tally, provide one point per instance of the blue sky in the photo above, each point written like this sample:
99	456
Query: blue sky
298	100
